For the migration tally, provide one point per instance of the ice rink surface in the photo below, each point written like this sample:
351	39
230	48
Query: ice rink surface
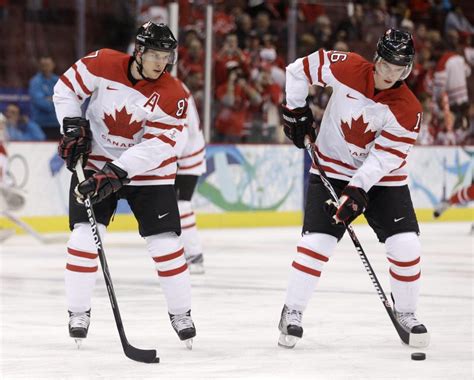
236	308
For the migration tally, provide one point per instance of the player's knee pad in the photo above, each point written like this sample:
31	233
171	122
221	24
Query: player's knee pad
81	249
403	253
167	252
314	250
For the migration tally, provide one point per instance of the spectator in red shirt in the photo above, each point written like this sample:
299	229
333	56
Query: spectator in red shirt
230	53
235	97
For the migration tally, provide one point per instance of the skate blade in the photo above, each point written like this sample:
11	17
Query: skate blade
419	340
287	341
188	343
78	342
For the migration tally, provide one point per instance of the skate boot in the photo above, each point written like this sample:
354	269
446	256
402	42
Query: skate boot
290	327
419	336
195	264
184	327
79	325
440	208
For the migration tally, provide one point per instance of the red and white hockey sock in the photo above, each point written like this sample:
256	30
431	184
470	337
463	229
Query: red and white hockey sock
168	254
81	267
403	253
189	232
313	251
462	196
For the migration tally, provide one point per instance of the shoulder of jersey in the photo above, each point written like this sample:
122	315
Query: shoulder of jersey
350	69
104	59
404	105
172	92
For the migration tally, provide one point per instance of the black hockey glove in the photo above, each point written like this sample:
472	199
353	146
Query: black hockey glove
103	183
298	123
75	142
352	203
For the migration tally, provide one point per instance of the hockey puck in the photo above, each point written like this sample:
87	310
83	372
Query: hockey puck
418	356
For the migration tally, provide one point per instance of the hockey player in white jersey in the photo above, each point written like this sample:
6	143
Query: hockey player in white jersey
191	164
128	139
369	126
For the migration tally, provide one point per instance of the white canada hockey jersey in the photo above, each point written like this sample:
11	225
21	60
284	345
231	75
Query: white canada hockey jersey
137	127
450	77
365	136
191	159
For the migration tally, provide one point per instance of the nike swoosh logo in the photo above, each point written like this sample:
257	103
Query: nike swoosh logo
162	216
398	219
111	88
350	97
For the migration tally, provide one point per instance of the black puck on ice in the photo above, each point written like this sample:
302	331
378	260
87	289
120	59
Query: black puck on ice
418	356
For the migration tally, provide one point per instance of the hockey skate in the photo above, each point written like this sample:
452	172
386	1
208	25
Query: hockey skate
440	208
184	327
79	325
290	327
419	336
196	264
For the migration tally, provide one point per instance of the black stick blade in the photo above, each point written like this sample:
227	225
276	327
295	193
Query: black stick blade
143	356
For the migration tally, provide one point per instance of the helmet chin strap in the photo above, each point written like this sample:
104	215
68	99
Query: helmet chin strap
140	69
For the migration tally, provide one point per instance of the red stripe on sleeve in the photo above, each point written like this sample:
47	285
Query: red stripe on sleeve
320	68
391	150
187	226
397	138
393	178
165	163
67	82
306	69
167	140
157	124
192	154
190	166
80	81
334	161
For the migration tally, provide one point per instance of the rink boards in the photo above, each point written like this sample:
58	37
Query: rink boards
245	185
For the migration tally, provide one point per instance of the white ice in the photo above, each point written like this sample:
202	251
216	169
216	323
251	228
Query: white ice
236	308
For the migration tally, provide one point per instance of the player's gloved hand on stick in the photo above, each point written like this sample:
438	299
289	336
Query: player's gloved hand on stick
75	142
352	203
298	123
103	183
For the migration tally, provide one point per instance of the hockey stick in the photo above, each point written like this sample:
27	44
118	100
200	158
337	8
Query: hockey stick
145	356
404	335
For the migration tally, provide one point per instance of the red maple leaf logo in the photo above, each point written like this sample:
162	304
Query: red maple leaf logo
356	134
121	125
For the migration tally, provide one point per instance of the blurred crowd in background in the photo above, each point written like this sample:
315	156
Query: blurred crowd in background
250	52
